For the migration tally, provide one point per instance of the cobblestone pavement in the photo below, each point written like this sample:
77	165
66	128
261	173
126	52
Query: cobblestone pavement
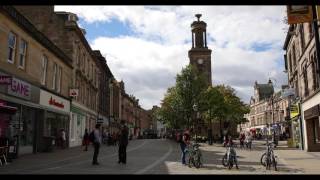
159	157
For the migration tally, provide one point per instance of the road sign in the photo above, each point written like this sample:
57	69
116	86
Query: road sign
299	14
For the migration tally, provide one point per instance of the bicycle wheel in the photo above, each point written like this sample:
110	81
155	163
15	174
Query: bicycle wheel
190	162
230	163
263	159
197	164
268	163
224	160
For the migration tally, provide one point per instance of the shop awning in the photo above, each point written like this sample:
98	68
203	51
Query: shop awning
7	109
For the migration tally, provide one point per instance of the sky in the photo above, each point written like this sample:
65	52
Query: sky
147	46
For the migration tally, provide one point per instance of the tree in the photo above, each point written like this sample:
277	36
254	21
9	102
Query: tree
234	108
190	85
213	104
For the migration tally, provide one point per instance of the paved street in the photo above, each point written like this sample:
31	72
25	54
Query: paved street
158	157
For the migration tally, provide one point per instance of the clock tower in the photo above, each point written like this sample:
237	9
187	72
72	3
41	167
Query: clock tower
199	54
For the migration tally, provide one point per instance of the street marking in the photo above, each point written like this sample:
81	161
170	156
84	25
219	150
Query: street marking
156	162
86	161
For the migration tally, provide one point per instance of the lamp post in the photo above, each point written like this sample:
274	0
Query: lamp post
195	108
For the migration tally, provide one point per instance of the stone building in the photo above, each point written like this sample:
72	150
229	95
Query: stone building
105	78
268	110
303	75
35	77
62	29
259	110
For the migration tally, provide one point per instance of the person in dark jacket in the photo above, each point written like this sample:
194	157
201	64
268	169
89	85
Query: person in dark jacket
123	142
86	140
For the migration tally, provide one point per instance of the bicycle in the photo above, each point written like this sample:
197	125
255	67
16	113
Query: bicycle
195	155
230	157
268	158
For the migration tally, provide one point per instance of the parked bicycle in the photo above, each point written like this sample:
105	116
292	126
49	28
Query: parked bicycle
268	158
230	157
195	155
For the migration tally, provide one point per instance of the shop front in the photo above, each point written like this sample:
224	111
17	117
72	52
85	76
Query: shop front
311	119
77	125
56	110
19	115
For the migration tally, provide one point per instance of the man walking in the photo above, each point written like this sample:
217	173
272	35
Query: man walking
96	144
123	142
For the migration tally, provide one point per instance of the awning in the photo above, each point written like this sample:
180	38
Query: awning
7	109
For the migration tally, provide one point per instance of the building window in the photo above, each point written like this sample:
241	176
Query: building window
12	47
44	69
305	79
22	53
59	79
294	56
310	31
302	37
314	71
290	61
78	57
54	77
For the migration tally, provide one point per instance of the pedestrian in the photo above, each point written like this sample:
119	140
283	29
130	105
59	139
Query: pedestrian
96	144
123	143
242	138
184	140
249	140
63	138
85	141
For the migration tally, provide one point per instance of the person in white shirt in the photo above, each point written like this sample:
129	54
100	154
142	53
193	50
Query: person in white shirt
63	138
96	144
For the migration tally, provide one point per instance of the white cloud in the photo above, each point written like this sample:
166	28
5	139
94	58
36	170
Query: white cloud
149	60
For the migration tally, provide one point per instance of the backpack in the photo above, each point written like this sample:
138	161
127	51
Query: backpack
91	136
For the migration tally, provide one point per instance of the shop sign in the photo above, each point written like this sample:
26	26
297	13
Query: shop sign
294	110
50	100
53	102
100	120
312	112
299	14
6	80
73	92
20	89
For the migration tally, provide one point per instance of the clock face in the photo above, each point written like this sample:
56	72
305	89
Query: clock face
200	61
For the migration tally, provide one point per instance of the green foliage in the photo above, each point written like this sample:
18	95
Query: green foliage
214	103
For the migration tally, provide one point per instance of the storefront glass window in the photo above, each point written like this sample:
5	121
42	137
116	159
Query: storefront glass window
54	124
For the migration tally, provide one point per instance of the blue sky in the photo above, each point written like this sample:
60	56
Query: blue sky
146	47
114	28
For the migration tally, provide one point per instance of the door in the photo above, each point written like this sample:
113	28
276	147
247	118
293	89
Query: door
27	130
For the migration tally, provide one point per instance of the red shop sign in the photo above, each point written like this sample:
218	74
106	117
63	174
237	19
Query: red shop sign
5	80
54	103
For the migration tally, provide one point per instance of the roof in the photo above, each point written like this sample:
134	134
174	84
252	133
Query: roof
265	91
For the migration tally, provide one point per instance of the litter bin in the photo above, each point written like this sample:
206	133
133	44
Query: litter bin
48	143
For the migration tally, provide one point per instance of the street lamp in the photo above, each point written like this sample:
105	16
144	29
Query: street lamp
195	108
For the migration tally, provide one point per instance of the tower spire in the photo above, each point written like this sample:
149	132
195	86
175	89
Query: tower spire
198	16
